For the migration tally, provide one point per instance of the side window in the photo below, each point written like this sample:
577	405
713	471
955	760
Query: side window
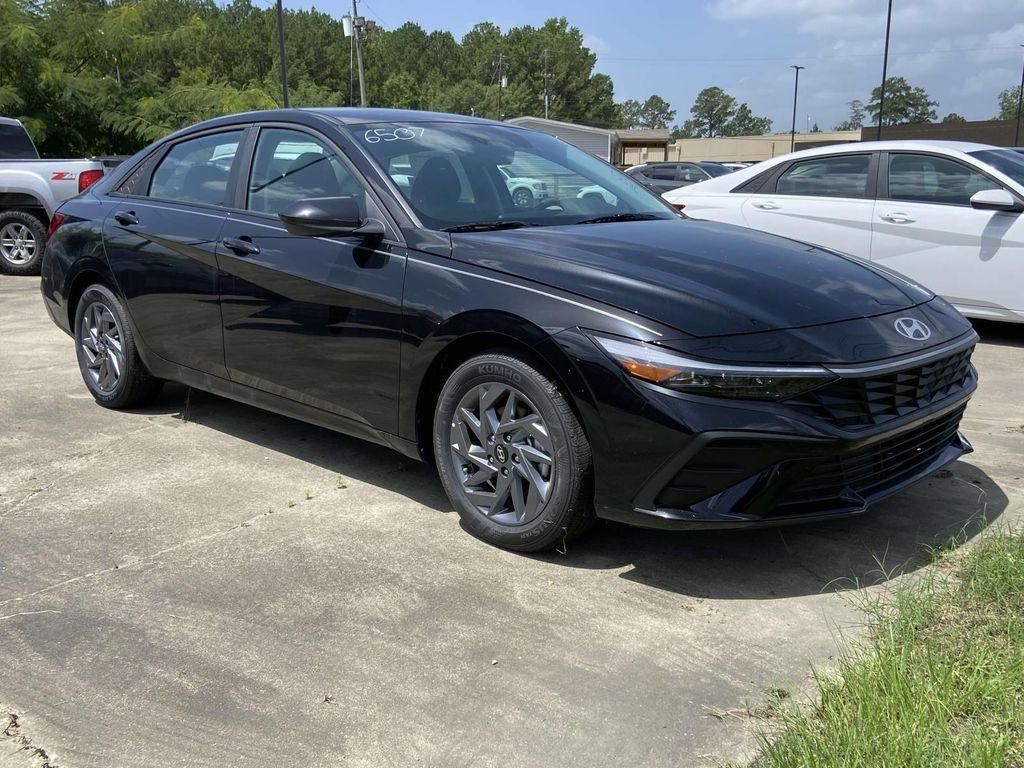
661	173
691	174
842	176
291	165
933	179
196	171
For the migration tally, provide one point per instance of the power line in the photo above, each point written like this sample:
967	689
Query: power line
838	57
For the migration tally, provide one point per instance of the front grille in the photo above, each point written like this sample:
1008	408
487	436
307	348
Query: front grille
878	466
858	403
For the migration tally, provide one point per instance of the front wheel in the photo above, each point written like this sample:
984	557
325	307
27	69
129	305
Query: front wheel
522	198
512	455
21	242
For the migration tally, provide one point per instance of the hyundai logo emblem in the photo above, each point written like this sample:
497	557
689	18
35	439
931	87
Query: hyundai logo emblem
912	328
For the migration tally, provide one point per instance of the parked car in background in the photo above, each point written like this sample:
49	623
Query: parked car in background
557	361
715	170
30	191
664	177
737	166
948	214
524	190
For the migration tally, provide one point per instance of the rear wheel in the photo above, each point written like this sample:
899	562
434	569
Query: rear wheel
21	242
107	355
512	455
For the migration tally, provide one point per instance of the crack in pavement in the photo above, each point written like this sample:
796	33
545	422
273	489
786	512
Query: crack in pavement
88	459
147	559
13	734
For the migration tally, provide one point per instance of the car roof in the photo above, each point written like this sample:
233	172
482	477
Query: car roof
9	121
737	178
891	144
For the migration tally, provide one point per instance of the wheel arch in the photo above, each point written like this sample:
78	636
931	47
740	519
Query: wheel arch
24	201
462	337
88	273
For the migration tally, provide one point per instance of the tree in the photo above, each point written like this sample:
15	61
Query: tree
1008	101
856	119
654	112
745	123
107	76
815	128
716	113
904	103
954	117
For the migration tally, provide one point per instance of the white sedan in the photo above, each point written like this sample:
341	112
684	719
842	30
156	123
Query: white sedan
947	214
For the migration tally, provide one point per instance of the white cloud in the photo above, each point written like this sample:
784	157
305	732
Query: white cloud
962	53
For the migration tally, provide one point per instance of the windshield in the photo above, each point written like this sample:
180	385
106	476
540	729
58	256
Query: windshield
477	176
1006	160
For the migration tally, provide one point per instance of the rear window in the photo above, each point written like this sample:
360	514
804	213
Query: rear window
196	171
15	143
843	176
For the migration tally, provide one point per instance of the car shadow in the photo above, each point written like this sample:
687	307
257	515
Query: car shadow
893	538
1002	334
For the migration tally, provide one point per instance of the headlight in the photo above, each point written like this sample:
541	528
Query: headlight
676	371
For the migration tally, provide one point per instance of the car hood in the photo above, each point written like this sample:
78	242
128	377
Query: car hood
702	278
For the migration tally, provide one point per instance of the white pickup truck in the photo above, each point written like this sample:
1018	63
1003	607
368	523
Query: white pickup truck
30	191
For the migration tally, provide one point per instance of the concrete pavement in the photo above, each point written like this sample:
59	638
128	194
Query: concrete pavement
203	583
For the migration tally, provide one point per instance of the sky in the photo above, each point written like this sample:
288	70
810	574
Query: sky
963	52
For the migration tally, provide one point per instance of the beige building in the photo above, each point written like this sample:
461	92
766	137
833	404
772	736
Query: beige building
738	149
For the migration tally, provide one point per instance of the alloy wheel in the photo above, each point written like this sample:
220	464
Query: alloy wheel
522	198
17	243
101	342
502	452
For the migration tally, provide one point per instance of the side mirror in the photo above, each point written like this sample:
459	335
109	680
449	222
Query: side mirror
996	200
327	216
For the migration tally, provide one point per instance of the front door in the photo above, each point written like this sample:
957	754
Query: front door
161	245
313	319
925	227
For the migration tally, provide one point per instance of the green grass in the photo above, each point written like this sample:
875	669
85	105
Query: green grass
938	682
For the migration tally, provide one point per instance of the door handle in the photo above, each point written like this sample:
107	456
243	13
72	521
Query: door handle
127	218
896	218
243	246
767	205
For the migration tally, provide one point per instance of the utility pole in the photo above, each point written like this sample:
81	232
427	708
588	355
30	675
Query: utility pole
885	72
357	25
1020	103
796	85
546	84
501	81
284	57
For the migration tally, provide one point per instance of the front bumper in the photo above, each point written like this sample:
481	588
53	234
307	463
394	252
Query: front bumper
672	461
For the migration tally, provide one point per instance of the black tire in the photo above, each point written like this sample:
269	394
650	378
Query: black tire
522	197
13	260
134	385
568	509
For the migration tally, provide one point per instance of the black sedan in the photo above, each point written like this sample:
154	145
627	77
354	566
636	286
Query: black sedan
590	355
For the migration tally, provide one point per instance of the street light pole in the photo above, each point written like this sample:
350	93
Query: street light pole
284	58
796	85
885	71
1020	103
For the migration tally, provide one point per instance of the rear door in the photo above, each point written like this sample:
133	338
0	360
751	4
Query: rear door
825	200
161	244
313	319
924	226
